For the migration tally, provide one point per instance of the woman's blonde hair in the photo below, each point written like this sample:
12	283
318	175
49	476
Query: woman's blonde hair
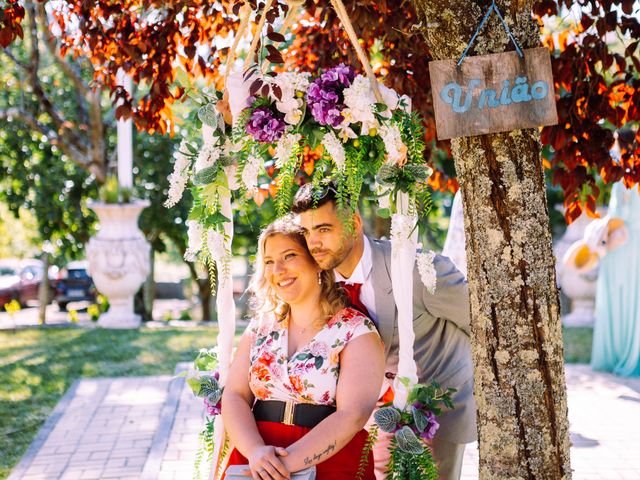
263	297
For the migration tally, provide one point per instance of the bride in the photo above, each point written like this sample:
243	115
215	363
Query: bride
307	372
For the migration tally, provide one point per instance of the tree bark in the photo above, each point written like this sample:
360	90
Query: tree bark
516	330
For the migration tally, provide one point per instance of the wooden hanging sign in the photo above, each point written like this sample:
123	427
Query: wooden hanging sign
493	93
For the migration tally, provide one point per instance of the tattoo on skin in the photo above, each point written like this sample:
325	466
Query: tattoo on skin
317	456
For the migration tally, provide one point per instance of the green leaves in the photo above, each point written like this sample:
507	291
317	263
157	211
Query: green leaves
206	175
408	442
209	115
387	418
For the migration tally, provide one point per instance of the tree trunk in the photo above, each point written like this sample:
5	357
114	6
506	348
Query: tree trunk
150	285
204	292
44	295
516	330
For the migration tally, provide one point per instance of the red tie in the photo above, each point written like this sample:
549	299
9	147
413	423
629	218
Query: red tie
353	292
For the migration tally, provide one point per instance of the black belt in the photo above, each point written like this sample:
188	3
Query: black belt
290	413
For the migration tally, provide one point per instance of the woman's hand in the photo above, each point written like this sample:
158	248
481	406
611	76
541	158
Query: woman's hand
265	464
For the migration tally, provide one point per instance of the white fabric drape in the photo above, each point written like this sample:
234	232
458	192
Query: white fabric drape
404	242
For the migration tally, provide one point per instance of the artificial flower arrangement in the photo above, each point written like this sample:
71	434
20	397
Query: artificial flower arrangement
203	381
412	427
285	115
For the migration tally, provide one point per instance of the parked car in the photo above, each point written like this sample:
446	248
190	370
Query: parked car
74	285
20	280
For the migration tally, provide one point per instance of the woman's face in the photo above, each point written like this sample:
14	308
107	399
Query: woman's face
290	270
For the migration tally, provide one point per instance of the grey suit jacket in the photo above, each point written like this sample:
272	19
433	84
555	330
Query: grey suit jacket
441	323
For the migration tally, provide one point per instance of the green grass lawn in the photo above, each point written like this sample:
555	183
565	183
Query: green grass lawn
577	344
37	366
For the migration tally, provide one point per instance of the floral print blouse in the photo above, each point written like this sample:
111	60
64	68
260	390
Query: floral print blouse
310	375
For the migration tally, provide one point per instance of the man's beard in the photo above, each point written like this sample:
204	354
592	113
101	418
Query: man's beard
332	259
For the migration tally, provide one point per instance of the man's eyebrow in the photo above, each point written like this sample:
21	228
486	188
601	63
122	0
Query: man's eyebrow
322	225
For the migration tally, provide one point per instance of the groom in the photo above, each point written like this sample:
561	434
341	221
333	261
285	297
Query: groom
441	320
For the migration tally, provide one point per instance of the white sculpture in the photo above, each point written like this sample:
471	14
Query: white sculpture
578	284
580	265
119	260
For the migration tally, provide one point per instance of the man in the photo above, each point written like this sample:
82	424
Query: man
441	320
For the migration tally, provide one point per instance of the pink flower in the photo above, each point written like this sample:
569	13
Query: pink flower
319	349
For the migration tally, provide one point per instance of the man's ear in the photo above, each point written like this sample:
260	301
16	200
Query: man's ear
357	223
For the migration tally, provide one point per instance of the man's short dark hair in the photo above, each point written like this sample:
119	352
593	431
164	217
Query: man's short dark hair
309	197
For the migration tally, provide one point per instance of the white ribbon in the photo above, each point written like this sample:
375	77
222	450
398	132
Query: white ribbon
403	256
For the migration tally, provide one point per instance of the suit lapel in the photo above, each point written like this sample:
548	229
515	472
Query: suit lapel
385	304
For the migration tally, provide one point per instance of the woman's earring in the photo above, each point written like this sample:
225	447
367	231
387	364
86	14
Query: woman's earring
319	277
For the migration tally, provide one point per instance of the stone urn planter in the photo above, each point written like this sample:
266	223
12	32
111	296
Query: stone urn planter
118	258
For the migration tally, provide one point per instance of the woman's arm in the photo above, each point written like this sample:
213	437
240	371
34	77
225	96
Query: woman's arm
239	422
361	376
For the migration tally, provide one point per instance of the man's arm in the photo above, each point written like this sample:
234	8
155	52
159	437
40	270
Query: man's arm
451	298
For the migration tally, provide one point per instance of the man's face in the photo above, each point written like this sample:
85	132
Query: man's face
326	236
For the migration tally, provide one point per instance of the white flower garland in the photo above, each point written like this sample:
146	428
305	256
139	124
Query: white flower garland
207	157
178	179
285	147
194	243
334	148
250	173
427	270
217	246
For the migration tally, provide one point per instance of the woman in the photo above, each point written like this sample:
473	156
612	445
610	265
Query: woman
314	367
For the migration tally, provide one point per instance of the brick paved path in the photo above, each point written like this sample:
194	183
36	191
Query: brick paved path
146	428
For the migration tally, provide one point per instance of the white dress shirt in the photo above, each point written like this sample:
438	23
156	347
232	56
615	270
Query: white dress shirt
362	274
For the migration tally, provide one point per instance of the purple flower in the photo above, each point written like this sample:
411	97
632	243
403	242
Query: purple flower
265	125
213	409
341	75
324	95
432	427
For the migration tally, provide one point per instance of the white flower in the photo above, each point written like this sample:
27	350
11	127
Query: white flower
250	173
401	227
178	178
177	184
334	148
359	100
216	245
194	244
427	270
285	147
289	103
390	99
208	155
396	149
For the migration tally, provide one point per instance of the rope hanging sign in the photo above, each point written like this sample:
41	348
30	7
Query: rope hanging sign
493	93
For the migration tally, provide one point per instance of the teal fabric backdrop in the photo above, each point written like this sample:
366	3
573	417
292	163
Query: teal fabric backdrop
616	337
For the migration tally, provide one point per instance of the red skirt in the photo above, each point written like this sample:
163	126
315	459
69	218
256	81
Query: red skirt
341	466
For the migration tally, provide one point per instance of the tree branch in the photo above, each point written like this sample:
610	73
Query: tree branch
15	113
12	57
50	42
32	70
78	156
